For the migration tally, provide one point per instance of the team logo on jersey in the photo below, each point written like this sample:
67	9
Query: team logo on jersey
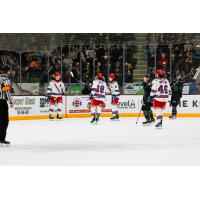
77	102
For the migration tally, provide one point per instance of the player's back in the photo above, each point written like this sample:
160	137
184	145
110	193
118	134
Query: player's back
114	88
160	89
99	89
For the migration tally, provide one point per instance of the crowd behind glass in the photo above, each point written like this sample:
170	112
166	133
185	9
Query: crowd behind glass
86	60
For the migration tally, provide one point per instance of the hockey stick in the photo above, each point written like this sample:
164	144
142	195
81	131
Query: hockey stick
30	92
40	94
79	81
22	90
197	73
139	115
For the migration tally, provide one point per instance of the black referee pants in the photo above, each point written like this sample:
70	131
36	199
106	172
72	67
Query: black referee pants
4	120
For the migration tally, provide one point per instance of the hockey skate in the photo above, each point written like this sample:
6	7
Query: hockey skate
4	143
115	118
159	125
146	123
97	119
152	121
51	117
94	120
59	117
172	117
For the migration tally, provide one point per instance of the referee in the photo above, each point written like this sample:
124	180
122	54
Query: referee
5	90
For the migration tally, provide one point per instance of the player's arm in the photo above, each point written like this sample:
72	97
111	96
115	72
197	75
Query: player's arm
107	89
170	89
153	89
117	88
93	89
49	89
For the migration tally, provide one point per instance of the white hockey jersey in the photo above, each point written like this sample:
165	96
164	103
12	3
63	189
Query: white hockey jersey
114	88
99	89
56	88
160	89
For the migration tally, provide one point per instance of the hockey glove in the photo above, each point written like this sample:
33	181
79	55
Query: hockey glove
113	97
91	96
48	97
150	99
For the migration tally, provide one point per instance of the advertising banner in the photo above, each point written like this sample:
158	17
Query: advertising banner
129	105
132	104
31	106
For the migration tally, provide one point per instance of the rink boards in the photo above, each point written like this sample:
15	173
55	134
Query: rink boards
37	107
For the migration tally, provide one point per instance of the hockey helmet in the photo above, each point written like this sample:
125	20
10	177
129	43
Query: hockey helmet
160	73
99	75
57	73
112	75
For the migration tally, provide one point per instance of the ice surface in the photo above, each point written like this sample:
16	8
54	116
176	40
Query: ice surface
76	142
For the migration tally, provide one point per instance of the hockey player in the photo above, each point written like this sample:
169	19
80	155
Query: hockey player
159	94
55	91
97	97
177	88
146	106
114	90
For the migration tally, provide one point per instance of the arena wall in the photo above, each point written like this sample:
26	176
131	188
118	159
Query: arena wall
37	107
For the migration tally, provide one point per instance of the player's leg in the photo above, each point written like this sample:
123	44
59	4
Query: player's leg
173	104
151	112
52	107
159	108
98	112
59	107
159	117
151	116
93	105
93	114
100	105
146	114
114	107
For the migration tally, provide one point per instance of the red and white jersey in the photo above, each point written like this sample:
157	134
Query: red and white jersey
56	88
99	89
114	88
160	89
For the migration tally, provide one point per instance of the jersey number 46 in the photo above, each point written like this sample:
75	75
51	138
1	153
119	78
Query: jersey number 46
163	89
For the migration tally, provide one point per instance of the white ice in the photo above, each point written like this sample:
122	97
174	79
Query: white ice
77	142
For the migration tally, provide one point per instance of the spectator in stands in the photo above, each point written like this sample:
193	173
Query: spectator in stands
118	70
67	61
152	54
73	53
163	62
196	56
188	62
33	64
129	73
116	54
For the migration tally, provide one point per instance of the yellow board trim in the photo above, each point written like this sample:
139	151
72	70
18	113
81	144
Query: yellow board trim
132	115
35	117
